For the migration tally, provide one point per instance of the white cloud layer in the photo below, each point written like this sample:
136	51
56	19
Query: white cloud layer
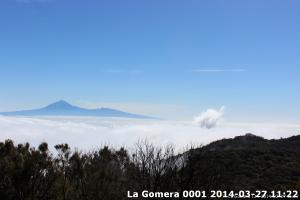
87	133
210	118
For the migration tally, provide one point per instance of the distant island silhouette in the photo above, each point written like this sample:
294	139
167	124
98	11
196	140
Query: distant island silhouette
63	108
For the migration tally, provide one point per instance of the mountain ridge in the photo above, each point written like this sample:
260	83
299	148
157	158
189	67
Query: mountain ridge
247	162
63	108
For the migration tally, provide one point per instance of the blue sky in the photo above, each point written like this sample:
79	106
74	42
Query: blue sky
179	57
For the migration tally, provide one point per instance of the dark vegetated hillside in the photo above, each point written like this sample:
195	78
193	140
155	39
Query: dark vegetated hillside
248	162
243	163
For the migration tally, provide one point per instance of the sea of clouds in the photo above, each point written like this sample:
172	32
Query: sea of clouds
89	133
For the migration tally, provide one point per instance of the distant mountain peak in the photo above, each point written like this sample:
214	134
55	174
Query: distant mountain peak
61	104
63	108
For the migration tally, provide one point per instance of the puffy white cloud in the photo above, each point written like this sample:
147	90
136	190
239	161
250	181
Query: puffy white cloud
210	118
86	133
